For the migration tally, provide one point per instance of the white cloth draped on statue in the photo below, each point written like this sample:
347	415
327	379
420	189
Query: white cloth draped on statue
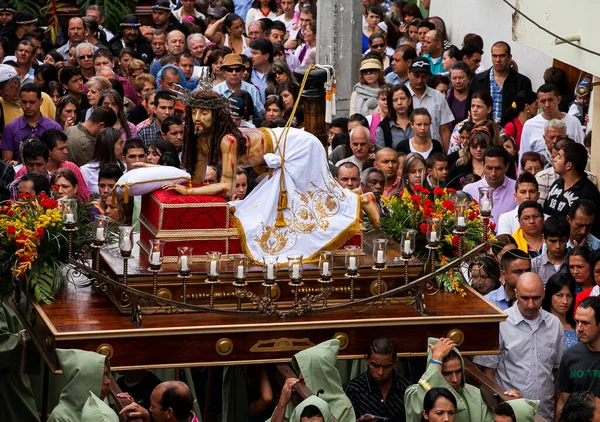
321	215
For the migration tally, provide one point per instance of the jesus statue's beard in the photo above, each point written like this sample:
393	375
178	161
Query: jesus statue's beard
206	131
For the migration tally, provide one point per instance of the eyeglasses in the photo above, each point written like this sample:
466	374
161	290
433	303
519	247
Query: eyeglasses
233	69
86	56
278	72
533	217
377	46
370	71
479	146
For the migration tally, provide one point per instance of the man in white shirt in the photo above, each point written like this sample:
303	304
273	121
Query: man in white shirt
526	189
360	144
533	129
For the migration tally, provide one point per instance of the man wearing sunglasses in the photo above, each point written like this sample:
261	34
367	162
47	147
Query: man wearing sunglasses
85	59
232	70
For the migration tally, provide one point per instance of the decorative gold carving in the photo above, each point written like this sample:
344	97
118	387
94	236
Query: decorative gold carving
456	336
106	350
218	296
373	287
275	292
224	347
306	290
164	294
343	339
283	344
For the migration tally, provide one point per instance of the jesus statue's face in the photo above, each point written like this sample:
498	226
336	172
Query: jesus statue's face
203	120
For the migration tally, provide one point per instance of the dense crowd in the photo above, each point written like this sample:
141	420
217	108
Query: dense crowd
77	114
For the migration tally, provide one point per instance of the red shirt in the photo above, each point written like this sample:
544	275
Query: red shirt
514	129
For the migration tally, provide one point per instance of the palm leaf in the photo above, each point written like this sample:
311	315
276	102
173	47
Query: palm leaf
114	10
41	281
32	6
51	11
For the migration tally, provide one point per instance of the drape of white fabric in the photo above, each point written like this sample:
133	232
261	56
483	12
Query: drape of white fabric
321	215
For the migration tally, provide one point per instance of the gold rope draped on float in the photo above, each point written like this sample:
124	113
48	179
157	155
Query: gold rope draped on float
282	203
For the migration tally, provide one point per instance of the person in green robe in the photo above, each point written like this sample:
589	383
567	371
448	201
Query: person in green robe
95	410
300	413
518	410
16	399
84	372
316	366
445	368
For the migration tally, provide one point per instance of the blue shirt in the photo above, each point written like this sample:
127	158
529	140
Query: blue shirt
259	108
393	79
436	66
592	241
499	298
241	7
259	80
496	93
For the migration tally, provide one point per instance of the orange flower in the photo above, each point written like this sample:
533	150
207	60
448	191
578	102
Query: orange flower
21	239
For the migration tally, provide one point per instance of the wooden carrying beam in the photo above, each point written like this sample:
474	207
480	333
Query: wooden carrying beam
120	403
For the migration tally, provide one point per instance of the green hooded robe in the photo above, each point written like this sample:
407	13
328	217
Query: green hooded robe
524	409
16	399
95	410
83	372
471	406
315	401
317	366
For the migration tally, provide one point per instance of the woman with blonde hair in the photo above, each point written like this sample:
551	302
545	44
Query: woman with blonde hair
95	88
413	172
366	92
135	68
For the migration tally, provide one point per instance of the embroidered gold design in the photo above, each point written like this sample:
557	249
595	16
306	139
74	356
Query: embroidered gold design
272	240
282	345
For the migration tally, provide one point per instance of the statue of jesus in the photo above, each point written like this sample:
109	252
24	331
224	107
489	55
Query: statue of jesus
298	209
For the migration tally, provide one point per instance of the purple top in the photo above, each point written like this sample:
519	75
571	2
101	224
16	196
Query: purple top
459	108
18	129
504	196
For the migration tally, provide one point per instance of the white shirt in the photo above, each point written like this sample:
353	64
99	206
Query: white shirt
533	133
288	24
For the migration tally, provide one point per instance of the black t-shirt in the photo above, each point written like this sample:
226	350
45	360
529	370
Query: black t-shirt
404	146
558	202
579	370
141	390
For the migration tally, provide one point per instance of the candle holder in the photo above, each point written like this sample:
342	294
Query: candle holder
352	263
296	271
461	211
325	273
213	269
240	274
125	248
486	203
69	216
269	274
155	259
184	268
433	235
379	259
100	231
409	237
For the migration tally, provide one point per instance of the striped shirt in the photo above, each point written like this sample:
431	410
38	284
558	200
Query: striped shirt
366	397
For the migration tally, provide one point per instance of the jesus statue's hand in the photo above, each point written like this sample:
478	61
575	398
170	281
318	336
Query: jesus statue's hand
180	189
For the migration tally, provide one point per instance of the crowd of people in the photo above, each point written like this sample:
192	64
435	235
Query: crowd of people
77	114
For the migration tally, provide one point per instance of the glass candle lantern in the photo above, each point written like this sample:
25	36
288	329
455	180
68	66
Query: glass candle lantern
380	252
270	268
325	265
240	267
295	267
126	240
100	228
407	244
69	212
352	259
461	211
155	255
213	264
184	260
486	200
434	230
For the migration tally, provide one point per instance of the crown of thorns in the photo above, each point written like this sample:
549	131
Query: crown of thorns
188	99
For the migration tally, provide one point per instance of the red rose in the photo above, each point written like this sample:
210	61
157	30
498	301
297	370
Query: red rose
450	190
11	213
53	203
492	226
42	196
428	203
29	195
21	239
21	195
56	188
22	276
455	241
423	228
417	188
427	212
415	198
9	202
46	203
23	213
438	191
472	216
40	232
425	191
447	204
11	230
24	258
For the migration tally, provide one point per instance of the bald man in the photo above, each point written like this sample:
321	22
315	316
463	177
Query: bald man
77	34
532	343
386	159
175	42
170	401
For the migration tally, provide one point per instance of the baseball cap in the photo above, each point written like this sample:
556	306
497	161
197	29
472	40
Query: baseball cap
420	65
7	73
238	107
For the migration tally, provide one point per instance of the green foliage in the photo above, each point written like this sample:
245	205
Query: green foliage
32	6
114	10
42	280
